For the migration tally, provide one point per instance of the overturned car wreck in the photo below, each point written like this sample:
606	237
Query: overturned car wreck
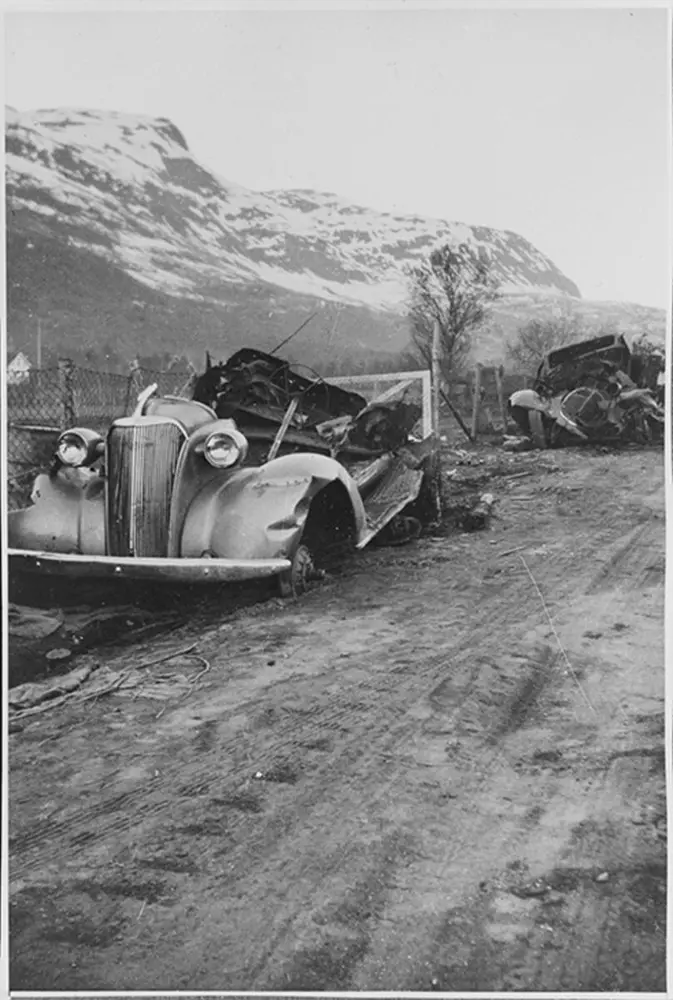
262	472
595	391
261	392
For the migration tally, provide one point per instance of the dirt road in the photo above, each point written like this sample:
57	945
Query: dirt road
443	769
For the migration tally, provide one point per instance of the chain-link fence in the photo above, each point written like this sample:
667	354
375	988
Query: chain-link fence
47	401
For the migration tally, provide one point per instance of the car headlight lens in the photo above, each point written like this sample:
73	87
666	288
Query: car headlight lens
72	449
223	449
79	446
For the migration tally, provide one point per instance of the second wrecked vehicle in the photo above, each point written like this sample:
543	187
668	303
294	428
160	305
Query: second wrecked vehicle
262	472
592	391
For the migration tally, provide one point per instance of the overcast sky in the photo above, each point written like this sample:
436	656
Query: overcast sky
552	123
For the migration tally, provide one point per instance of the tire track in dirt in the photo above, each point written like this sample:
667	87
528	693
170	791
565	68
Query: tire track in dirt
335	882
515	713
388	783
449	843
132	805
627	583
594	962
382	739
641	552
453	843
364	984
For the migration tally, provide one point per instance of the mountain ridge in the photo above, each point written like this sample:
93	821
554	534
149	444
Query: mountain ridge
208	254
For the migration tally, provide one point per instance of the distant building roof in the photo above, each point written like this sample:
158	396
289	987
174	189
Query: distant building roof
18	369
19	361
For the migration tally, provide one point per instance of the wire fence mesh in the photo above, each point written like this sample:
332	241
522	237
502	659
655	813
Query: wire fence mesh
413	387
47	401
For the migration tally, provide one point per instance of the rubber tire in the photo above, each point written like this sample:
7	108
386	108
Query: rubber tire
519	416
656	431
537	429
295	581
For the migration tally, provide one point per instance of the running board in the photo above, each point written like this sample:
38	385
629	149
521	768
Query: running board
399	487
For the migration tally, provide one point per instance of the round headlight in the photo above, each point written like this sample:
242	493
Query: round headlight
79	446
72	449
225	448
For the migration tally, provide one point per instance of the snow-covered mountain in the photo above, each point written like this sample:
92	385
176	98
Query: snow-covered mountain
114	227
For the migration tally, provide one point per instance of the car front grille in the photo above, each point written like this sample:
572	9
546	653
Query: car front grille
142	457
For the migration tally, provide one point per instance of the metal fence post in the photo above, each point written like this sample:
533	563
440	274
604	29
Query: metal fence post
436	375
476	401
66	371
499	372
134	384
427	405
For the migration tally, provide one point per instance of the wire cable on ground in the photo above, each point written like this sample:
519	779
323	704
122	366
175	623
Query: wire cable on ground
558	638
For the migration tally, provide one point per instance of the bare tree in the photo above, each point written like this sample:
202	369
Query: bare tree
538	337
455	288
642	344
648	363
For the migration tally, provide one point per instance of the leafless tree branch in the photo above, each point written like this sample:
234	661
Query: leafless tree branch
454	288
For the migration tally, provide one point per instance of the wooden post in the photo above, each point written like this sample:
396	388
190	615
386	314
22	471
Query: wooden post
436	376
134	385
457	415
427	404
499	372
66	370
476	400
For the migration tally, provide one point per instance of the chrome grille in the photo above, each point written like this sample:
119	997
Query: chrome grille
142	457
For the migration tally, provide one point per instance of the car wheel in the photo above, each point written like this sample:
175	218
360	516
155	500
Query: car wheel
559	437
537	429
655	429
296	580
519	415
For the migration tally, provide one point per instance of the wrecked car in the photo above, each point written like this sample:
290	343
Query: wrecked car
594	391
262	472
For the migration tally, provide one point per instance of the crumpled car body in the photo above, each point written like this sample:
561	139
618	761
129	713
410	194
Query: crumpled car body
182	491
587	392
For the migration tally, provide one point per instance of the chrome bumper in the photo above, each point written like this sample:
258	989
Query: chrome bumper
132	568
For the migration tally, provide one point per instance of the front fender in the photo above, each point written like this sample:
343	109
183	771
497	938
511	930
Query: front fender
260	513
67	515
528	399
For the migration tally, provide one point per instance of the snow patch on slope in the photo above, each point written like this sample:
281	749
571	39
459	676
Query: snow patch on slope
150	206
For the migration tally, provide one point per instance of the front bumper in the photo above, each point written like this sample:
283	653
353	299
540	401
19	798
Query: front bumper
131	568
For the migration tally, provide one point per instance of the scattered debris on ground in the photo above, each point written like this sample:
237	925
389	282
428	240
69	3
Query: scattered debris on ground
42	642
513	443
468	513
34	698
383	763
473	482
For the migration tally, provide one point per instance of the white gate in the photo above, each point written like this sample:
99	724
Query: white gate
414	386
